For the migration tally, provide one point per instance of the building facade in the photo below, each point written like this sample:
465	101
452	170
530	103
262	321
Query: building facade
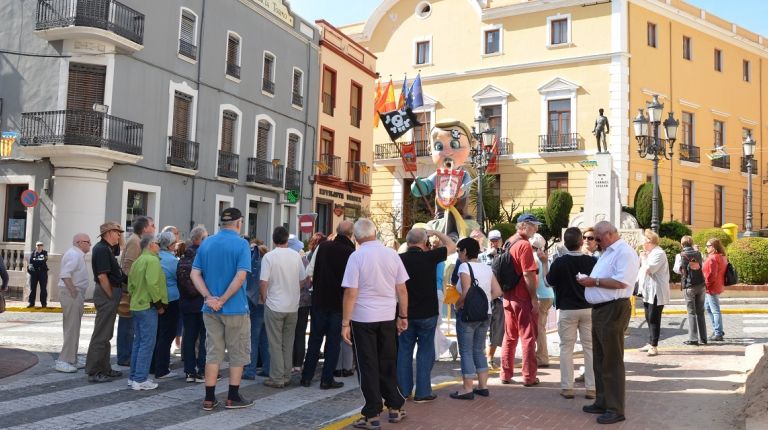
342	174
541	70
173	109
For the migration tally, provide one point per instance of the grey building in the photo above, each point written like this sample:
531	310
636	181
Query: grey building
172	109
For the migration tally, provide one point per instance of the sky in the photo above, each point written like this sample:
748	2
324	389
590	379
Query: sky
750	14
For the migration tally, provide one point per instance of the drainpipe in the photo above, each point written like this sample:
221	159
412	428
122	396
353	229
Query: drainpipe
197	112
307	127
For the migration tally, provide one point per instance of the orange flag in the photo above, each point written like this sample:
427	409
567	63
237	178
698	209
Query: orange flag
389	102
376	105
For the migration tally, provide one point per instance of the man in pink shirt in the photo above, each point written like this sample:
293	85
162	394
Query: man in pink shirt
375	312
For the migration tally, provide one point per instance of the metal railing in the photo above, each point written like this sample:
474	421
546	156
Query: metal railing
292	179
354	116
268	86
182	153
297	99
722	162
187	49
329	165
227	164
358	172
264	172
81	127
328	102
558	142
690	153
108	15
383	151
233	70
744	166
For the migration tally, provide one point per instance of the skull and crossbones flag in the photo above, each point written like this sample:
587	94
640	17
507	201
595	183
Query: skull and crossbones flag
398	122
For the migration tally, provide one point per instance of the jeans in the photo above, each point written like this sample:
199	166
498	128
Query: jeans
697	324
569	323
471	338
325	324
145	334
124	340
712	306
193	343
422	332
259	342
166	331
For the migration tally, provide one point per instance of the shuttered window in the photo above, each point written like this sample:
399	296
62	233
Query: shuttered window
269	63
181	110
293	147
228	123
233	50
86	86
262	139
188	27
297	77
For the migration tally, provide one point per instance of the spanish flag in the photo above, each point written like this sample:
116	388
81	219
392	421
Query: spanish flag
376	104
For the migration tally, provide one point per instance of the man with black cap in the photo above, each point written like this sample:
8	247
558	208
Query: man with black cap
106	297
221	265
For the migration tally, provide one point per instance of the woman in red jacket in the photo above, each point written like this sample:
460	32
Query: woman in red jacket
714	277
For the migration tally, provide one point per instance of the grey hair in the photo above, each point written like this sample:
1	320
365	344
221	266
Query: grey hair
364	228
522	225
170	228
146	240
197	233
416	236
345	228
228	224
167	238
605	227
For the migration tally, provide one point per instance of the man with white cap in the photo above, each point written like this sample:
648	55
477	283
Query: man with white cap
38	274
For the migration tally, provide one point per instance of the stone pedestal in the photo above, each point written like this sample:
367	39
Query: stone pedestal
602	202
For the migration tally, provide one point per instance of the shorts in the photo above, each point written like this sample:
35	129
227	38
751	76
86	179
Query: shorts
496	332
227	332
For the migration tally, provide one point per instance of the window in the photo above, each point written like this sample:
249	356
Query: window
558	29
187	36
354	172
718	205
423	52
268	74
228	124
651	35
326	142
556	181
233	55
181	114
262	139
329	91
421	131
297	95
718	60
559	117
324	216
686	47
687	201
355	104
687	124
136	206
719	129
492	41
746	71
15	214
423	9
293	149
493	114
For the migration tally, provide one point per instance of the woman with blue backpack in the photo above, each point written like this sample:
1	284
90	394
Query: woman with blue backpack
689	264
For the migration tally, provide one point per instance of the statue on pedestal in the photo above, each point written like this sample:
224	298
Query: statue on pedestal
602	128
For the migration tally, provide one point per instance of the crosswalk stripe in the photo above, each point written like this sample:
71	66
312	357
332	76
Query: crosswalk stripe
755	329
756	321
50	378
57	397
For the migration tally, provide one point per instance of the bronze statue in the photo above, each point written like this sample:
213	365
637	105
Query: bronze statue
602	128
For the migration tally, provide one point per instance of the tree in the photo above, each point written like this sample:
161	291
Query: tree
491	203
558	211
644	205
388	217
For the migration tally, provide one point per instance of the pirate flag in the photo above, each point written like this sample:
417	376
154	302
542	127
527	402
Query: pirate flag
398	122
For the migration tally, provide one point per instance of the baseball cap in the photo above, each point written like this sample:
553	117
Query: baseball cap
494	234
529	218
230	214
39	243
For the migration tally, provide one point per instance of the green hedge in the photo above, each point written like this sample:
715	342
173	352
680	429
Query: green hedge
672	248
701	237
644	205
558	211
674	230
505	229
544	229
748	256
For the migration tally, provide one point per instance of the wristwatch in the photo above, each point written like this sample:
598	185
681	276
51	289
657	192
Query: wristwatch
597	282
402	317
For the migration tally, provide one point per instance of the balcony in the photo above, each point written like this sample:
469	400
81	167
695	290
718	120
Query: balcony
182	153
358	173
385	151
744	166
690	153
264	172
268	86
233	70
329	165
187	49
297	99
81	128
558	142
292	179
106	20
227	165
722	162
354	116
328	104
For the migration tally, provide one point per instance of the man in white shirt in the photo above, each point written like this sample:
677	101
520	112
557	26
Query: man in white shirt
73	281
608	289
281	280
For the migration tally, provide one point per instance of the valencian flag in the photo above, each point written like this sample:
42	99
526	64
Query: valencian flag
493	163
402	101
7	139
376	104
398	122
408	151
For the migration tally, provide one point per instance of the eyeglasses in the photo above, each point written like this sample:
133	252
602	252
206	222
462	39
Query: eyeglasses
84	241
597	239
588	237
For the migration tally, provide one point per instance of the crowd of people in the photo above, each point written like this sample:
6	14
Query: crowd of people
370	308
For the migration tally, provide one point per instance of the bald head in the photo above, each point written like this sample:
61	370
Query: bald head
82	241
346	228
606	233
80	237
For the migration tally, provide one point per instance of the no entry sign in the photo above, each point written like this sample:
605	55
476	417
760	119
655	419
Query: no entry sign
29	198
307	222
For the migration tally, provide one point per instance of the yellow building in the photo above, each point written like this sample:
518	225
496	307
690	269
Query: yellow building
540	70
341	179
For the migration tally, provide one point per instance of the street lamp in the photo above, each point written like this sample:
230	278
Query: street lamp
480	156
652	145
749	154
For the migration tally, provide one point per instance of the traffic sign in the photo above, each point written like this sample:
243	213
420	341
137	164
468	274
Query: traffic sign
307	222
29	198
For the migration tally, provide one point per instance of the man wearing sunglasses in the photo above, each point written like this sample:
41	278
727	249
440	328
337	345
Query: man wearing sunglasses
608	289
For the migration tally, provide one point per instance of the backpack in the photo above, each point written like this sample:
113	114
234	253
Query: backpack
504	268
183	271
731	277
691	269
476	302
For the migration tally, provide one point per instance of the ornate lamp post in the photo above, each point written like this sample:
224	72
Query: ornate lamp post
480	156
652	145
749	153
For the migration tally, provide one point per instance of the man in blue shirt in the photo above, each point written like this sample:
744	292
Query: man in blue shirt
219	271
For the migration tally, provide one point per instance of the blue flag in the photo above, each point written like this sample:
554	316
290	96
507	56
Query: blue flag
415	95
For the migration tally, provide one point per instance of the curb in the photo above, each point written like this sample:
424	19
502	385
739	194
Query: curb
86	310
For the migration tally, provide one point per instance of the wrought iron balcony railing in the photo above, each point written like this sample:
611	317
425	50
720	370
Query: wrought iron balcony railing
329	165
182	153
264	172
268	86
110	15
558	142
383	151
744	166
81	127
690	153
723	162
187	49
233	70
358	172
227	166
292	179
297	99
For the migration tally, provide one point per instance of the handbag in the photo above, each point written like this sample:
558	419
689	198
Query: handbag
731	277
452	295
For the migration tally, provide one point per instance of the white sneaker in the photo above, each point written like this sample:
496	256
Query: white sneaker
146	385
645	348
168	375
63	366
130	383
652	351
